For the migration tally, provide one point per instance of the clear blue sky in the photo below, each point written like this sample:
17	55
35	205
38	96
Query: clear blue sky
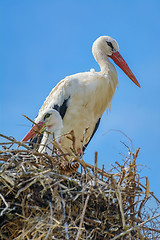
43	41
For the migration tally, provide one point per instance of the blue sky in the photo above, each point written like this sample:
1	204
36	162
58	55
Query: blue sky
44	41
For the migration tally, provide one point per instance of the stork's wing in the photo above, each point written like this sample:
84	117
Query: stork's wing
58	98
95	129
62	108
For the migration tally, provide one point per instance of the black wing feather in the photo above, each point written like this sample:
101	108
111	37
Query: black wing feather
63	108
95	129
62	111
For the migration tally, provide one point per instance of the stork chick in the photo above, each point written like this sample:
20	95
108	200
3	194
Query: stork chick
50	125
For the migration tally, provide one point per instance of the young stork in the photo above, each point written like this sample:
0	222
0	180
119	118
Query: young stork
82	98
50	124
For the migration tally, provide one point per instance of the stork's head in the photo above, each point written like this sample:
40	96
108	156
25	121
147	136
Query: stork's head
52	120
49	120
108	46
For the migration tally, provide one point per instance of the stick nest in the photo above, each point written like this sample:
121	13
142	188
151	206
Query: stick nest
44	197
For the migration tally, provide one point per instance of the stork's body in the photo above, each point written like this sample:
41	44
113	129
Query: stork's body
82	98
82	109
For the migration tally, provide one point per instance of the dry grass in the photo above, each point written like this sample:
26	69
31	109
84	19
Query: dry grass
44	197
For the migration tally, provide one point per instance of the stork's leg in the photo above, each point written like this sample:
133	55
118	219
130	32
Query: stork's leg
59	142
79	151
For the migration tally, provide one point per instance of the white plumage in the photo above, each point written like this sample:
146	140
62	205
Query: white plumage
82	98
52	125
49	124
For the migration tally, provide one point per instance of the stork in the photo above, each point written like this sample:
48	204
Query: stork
82	98
49	124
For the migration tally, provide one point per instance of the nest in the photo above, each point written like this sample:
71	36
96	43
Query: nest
44	197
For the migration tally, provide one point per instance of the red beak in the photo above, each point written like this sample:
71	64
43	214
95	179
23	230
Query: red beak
118	59
34	130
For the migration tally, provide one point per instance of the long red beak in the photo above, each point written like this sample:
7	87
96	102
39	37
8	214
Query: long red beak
34	130
118	59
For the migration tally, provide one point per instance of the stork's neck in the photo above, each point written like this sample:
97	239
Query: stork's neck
103	61
107	68
46	145
56	130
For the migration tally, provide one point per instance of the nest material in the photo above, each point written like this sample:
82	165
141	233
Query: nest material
44	197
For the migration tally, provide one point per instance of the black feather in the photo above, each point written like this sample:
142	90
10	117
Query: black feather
95	129
35	141
63	108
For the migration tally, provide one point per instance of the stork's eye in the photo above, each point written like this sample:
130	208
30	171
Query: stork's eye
47	116
110	44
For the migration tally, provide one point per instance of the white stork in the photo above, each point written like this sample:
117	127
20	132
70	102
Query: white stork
82	98
50	125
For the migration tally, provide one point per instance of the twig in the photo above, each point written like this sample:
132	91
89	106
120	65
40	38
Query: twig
29	152
83	214
51	223
85	165
64	213
134	228
119	198
31	121
116	130
14	141
95	166
150	193
102	172
1	214
24	188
